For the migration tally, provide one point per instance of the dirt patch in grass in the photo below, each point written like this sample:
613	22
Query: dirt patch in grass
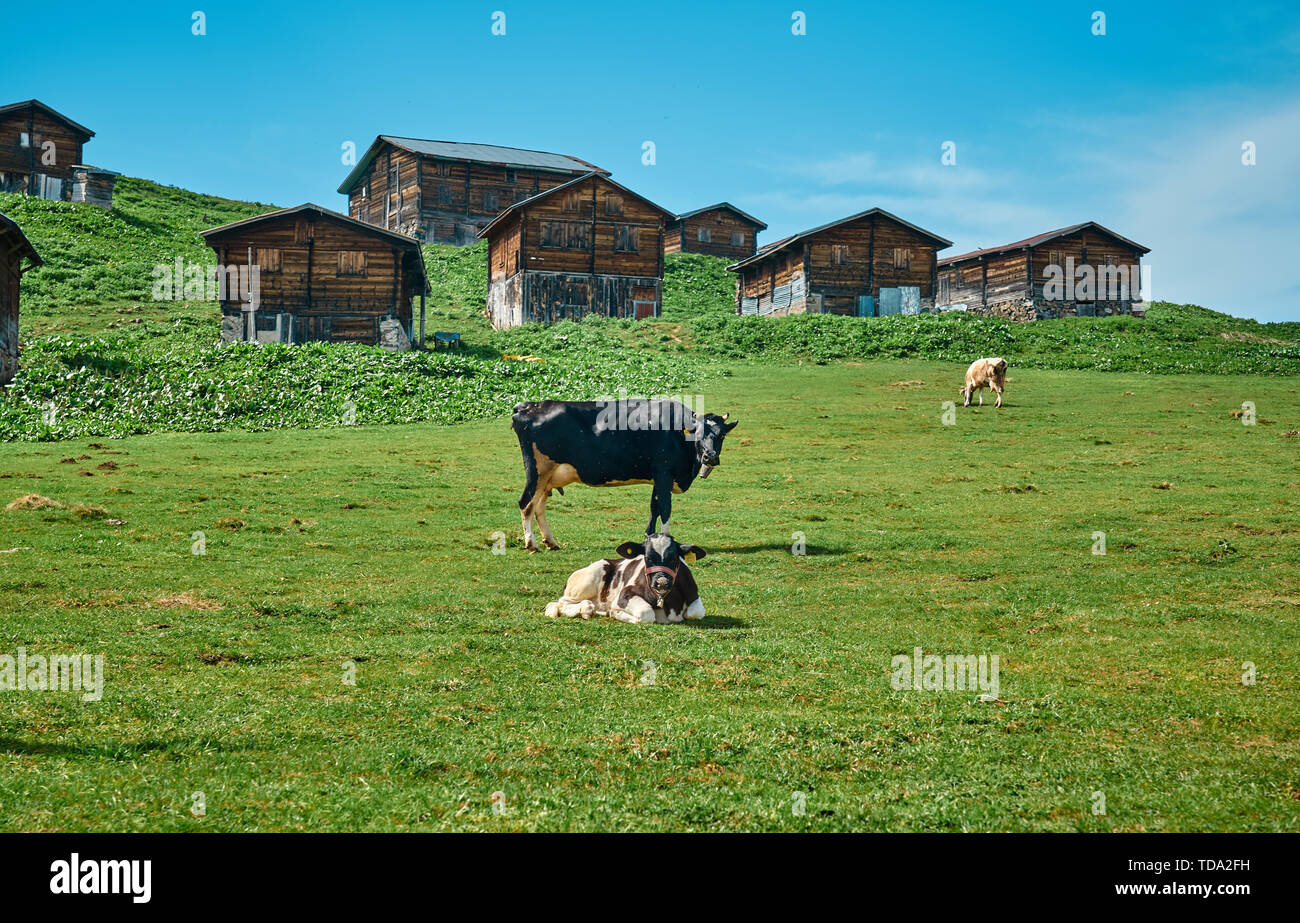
186	600
34	502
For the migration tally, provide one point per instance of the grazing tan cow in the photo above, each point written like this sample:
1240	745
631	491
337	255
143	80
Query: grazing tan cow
985	373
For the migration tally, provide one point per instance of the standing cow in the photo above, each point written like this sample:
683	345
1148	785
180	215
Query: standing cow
651	584
985	373
609	444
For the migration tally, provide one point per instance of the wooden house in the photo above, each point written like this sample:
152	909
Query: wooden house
319	276
41	155
446	192
589	246
718	230
16	257
867	265
1082	270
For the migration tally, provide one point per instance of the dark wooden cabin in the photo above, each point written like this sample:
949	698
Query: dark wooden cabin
322	276
590	246
1015	280
41	155
718	230
17	256
866	265
446	192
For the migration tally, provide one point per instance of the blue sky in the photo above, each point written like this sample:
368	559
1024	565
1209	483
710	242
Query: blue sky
1140	129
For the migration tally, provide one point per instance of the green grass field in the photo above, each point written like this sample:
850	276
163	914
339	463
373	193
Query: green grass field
1119	674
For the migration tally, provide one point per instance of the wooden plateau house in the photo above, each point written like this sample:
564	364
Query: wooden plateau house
41	155
718	230
14	251
446	192
321	276
1019	281
590	246
867	265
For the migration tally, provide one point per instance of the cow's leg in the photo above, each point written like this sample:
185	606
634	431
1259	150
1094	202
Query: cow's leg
551	543
981	391
999	393
695	610
580	592
965	395
530	490
637	611
661	503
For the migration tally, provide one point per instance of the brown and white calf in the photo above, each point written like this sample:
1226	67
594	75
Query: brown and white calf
985	373
651	584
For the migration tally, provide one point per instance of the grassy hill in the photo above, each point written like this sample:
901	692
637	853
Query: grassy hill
101	358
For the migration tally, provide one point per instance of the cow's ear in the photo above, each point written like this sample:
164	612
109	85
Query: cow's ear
728	427
690	553
631	549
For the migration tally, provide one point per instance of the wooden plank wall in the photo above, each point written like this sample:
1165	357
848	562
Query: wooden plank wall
309	283
9	285
683	236
17	159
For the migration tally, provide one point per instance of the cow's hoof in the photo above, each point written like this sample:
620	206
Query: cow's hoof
554	546
532	549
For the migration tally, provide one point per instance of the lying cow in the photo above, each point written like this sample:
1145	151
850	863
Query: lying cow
609	444
985	373
651	584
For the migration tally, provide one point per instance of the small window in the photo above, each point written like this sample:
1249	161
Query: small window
704	235
839	254
267	260
737	239
490	202
441	169
564	235
365	190
1054	258
613	205
902	258
573	201
626	239
511	176
444	195
24	139
352	263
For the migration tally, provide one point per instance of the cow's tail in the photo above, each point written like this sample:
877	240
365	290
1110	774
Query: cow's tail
523	429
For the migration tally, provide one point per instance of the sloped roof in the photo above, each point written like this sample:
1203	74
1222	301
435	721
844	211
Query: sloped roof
470	151
728	207
533	200
10	229
85	132
409	243
769	249
1039	240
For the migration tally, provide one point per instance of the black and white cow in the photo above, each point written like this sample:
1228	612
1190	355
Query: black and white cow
609	444
651	584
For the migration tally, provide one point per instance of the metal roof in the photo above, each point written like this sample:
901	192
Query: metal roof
10	227
1040	239
409	242
768	249
728	207
470	151
573	182
75	126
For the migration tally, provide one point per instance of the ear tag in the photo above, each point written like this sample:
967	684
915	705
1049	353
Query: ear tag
690	557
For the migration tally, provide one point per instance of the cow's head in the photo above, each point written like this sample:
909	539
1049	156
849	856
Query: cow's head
708	432
663	559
